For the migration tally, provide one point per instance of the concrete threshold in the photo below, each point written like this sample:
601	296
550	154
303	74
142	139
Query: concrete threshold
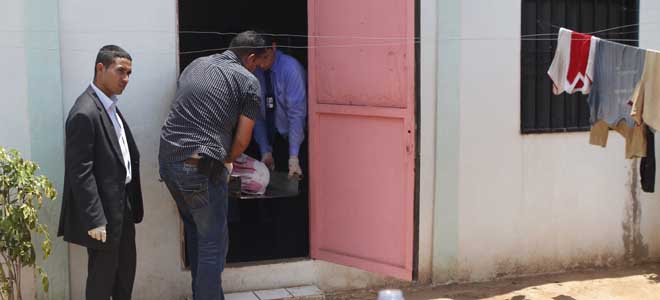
309	292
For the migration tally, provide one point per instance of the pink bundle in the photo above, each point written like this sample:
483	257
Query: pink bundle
254	175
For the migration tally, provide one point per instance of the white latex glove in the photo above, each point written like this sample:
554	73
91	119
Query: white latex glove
294	168
98	233
267	159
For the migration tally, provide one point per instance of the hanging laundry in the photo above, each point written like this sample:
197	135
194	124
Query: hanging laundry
571	69
646	105
616	72
636	143
618	69
647	165
623	83
645	110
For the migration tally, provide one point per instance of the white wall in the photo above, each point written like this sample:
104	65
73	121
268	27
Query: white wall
523	203
146	29
14	130
427	131
15	113
537	202
649	39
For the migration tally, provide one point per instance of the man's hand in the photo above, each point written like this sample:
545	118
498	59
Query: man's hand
294	168
98	233
267	159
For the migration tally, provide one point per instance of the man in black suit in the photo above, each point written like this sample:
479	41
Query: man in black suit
102	198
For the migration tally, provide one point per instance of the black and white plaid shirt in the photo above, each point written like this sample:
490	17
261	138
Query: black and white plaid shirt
212	93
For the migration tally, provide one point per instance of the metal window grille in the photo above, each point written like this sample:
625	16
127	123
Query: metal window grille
541	111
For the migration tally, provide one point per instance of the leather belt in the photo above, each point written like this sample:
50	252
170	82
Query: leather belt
192	161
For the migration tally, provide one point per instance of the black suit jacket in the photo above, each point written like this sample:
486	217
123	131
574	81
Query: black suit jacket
94	183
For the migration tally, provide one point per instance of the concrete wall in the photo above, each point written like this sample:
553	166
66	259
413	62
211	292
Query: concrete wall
147	31
427	130
47	127
16	130
31	116
509	204
648	38
538	203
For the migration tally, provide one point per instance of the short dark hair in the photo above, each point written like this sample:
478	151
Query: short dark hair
107	55
269	38
248	42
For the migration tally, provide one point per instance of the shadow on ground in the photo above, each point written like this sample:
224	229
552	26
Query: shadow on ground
507	289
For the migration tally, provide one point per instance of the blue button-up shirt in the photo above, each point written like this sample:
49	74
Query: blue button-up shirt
289	86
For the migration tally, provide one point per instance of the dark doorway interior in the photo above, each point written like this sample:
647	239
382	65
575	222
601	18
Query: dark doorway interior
225	17
260	229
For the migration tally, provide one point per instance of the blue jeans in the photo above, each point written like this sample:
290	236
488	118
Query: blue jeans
202	205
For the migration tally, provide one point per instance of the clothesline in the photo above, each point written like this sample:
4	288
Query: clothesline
621	83
404	40
321	36
284	46
289	46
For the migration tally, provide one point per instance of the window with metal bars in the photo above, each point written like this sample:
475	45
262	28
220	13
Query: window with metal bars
541	110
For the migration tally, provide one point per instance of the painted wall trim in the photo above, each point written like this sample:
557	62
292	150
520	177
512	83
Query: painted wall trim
45	110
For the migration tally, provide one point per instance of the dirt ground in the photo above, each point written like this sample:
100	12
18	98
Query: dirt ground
632	283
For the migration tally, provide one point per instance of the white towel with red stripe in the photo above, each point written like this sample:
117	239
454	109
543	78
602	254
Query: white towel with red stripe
572	68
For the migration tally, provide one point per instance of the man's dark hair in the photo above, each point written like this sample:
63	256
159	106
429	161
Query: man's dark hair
248	42
269	38
107	55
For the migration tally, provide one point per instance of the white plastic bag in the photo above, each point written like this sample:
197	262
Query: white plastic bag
254	175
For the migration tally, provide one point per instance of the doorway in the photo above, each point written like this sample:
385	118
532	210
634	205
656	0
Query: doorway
360	208
270	228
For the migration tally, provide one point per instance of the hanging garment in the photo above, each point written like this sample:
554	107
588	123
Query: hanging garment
646	105
571	69
618	69
647	166
635	137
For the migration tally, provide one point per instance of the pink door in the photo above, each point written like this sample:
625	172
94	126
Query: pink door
361	120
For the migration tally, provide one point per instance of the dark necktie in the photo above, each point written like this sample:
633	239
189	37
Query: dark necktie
270	107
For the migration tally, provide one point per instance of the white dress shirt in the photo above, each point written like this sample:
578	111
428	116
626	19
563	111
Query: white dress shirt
110	105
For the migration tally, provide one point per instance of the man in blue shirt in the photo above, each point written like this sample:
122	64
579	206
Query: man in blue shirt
283	110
